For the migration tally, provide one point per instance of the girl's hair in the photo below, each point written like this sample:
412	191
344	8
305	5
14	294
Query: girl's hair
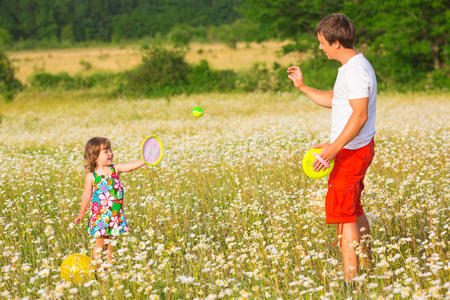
337	27
92	150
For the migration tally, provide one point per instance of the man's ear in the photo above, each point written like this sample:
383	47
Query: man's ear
336	45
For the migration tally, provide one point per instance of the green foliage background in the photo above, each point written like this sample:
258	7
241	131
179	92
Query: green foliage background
83	20
9	85
406	41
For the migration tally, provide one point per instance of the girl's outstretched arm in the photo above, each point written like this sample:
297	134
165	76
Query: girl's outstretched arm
129	166
86	197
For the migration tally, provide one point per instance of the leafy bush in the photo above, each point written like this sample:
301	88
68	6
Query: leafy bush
225	34
198	34
204	79
164	72
85	64
46	80
179	36
64	81
30	44
320	72
439	79
264	79
255	78
241	30
9	85
5	38
304	44
161	71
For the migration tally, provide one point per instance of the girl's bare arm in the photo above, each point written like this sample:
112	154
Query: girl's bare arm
86	197
129	166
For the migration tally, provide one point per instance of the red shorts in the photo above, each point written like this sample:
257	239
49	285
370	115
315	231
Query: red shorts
343	200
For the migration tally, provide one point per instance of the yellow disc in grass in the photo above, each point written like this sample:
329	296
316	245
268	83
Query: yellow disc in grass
307	163
77	268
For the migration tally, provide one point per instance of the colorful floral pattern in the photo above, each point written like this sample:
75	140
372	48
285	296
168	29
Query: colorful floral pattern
107	217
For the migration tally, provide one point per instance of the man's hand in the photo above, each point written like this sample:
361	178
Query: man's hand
328	153
295	74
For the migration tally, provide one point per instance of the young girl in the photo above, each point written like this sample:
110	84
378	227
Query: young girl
104	191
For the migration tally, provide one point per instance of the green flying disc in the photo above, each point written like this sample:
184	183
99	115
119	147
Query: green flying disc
308	160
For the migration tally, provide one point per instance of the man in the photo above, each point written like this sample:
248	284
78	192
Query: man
353	105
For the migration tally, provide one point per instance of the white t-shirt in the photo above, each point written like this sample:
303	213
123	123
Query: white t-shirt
356	79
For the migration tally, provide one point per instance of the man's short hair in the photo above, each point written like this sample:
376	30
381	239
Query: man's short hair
337	27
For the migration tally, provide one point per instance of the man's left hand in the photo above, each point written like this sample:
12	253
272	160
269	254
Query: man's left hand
328	153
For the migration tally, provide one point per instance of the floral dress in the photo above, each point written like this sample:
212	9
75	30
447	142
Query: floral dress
107	217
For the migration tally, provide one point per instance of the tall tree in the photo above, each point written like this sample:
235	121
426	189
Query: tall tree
290	19
405	39
409	31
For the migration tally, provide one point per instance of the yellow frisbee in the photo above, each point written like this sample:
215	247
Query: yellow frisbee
77	268
308	160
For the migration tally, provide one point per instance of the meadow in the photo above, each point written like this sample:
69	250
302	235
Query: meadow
228	212
119	58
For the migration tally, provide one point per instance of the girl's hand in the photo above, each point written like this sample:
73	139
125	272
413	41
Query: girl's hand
78	219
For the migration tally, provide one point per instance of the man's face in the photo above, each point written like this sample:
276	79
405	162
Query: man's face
330	50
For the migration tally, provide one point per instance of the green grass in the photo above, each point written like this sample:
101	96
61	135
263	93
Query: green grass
228	212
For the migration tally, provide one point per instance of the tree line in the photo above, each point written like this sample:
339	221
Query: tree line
405	40
413	32
100	20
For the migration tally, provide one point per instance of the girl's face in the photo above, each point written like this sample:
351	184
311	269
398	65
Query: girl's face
105	157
